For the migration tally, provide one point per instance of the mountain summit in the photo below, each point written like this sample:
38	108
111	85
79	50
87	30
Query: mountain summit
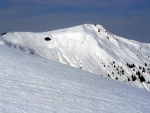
91	48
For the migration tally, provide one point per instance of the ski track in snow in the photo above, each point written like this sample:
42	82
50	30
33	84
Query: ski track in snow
31	84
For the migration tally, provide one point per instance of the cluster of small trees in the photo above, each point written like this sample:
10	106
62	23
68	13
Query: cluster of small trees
136	75
133	77
119	71
140	77
130	65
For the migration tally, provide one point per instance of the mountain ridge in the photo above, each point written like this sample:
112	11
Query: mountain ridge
91	48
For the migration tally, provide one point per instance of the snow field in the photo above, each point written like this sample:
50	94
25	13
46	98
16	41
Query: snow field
33	84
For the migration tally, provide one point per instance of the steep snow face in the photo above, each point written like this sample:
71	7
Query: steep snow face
32	84
91	48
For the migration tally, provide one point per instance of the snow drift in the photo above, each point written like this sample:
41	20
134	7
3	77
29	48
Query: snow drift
90	48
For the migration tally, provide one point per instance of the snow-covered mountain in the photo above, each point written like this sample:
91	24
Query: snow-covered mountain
90	48
33	84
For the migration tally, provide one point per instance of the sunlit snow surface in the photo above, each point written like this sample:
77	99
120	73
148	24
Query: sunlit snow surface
32	84
90	48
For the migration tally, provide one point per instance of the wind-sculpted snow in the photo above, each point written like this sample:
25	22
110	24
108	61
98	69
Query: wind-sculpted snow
91	48
32	84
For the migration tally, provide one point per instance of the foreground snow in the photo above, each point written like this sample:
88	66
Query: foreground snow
31	84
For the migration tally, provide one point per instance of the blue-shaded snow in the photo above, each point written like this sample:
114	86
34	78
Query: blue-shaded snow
31	84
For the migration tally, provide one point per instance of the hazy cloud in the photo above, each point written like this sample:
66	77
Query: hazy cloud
78	2
128	18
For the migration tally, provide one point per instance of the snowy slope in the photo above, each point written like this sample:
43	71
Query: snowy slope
91	48
32	84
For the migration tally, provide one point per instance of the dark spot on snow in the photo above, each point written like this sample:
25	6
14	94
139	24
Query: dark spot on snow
108	75
142	79
21	48
130	65
8	44
3	33
47	38
128	79
143	70
122	72
133	77
140	67
31	52
116	78
138	73
107	37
